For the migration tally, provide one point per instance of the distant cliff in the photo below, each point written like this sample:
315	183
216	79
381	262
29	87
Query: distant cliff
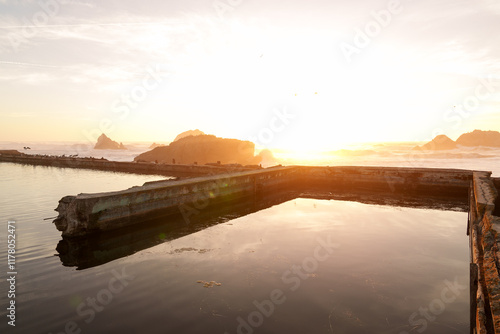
480	138
203	149
475	138
189	133
105	143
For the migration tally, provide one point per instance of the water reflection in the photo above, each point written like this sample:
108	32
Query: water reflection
392	262
385	264
95	250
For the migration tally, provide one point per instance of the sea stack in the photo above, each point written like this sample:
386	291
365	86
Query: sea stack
105	143
480	138
441	142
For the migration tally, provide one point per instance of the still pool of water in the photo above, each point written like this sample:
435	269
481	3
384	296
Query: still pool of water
302	266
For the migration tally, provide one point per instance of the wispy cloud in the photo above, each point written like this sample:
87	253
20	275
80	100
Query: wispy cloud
81	25
15	63
35	2
115	50
19	114
253	56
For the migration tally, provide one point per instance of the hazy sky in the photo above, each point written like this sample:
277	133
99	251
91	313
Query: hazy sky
281	73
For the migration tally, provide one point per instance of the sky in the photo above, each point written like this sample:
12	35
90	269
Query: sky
287	74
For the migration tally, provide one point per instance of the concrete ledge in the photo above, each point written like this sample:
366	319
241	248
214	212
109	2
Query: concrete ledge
93	250
485	250
88	213
448	182
126	167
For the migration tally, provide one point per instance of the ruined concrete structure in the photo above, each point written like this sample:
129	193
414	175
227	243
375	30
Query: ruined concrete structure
483	231
87	213
177	170
190	199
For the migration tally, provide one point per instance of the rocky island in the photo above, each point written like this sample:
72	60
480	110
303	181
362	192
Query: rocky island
474	138
441	142
203	149
480	138
189	133
105	143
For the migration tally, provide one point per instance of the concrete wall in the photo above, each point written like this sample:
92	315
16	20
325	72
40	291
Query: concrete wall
128	167
448	182
86	252
86	213
484	227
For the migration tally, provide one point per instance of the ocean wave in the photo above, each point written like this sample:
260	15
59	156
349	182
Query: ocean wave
452	155
352	153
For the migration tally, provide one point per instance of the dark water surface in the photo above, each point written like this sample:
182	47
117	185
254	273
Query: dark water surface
303	266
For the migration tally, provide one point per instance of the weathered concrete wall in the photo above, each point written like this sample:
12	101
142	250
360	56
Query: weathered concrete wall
90	251
116	166
86	213
448	182
484	229
496	211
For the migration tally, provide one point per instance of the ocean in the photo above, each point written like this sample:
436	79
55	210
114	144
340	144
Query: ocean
367	154
300	266
402	155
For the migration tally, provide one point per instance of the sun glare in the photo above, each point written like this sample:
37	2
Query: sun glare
302	157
